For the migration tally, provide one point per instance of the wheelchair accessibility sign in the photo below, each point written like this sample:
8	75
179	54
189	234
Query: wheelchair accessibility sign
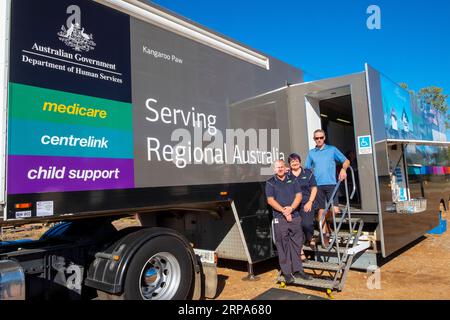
365	145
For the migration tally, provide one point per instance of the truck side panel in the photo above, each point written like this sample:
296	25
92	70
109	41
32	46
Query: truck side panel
419	170
4	31
126	113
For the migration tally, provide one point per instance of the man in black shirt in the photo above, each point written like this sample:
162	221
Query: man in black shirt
284	196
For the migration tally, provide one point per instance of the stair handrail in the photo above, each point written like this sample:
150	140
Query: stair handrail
345	212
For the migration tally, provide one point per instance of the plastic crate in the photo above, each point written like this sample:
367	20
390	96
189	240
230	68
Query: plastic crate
411	206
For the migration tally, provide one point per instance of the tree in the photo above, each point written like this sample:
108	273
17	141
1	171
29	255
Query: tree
435	97
405	86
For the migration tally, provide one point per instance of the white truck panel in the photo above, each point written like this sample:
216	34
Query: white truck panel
4	30
156	17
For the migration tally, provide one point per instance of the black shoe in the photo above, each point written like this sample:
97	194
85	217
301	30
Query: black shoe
289	279
302	275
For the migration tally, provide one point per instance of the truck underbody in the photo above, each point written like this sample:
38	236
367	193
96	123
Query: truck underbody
91	133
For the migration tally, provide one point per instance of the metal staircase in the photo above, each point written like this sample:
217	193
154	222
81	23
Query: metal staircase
331	264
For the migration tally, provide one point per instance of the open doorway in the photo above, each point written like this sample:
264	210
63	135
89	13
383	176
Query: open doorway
332	110
337	121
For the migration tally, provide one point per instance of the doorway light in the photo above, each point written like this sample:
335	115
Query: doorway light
342	120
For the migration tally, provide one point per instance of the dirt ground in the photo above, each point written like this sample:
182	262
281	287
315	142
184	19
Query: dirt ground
419	271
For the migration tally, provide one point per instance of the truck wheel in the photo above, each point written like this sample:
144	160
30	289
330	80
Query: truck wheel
160	270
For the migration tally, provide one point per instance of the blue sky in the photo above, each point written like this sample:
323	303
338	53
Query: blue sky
329	37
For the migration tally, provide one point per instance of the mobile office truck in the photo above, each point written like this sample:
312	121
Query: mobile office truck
115	108
103	102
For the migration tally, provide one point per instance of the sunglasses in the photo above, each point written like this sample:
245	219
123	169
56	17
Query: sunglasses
319	138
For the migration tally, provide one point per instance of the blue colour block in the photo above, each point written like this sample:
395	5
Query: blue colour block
441	228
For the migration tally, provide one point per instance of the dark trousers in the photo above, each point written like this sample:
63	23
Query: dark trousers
289	241
308	224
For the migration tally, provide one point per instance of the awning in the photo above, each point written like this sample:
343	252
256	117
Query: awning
416	142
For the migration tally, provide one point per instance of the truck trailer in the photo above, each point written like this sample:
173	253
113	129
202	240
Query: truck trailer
118	108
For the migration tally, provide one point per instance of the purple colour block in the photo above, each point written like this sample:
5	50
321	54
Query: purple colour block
41	174
440	170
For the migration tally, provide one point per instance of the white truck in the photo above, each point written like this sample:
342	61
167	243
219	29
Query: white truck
95	97
116	108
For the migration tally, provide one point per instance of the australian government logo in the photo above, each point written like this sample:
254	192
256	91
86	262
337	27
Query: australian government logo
75	36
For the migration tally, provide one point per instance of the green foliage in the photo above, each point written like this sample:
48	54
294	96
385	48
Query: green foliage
405	86
435	97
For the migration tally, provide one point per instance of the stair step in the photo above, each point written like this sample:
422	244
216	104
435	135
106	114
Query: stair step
320	249
344	234
348	236
317	265
316	283
346	220
340	234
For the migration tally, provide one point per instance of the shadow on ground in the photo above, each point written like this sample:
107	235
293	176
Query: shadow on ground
382	261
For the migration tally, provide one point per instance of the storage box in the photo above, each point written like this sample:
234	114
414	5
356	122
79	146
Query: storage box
411	206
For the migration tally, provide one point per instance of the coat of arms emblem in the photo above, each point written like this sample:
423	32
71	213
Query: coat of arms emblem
76	38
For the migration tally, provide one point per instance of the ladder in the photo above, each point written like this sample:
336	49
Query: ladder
331	264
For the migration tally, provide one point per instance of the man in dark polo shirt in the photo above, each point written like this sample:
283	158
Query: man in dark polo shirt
284	196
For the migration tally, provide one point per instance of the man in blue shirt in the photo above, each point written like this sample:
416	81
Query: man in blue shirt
284	196
322	160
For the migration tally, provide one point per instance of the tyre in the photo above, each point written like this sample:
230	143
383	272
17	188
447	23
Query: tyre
160	270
